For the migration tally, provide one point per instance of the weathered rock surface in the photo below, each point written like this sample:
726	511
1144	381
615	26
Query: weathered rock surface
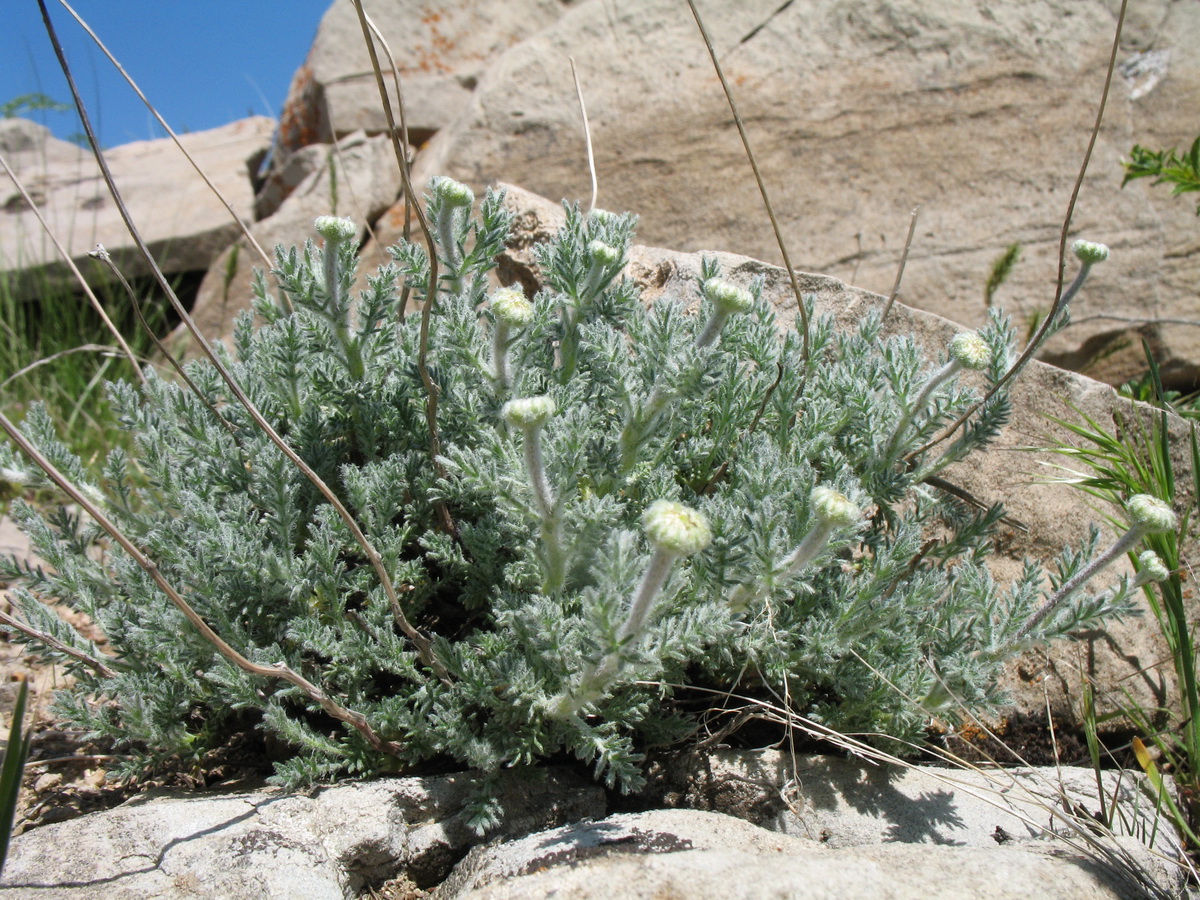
1130	656
357	177
857	112
838	828
897	872
689	853
657	831
267	844
849	802
181	220
441	49
845	830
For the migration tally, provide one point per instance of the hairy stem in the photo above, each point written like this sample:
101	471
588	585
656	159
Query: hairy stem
1120	548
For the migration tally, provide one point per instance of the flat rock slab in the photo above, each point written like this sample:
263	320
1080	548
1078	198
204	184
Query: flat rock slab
648	833
269	844
894	872
852	802
181	220
845	830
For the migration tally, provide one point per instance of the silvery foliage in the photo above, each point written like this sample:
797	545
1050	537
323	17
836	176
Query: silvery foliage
876	627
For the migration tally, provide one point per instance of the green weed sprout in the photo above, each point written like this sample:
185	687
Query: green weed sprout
1182	172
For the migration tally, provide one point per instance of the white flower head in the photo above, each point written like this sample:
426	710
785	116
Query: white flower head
1150	514
602	217
452	193
1088	252
970	350
1151	567
676	528
528	412
333	228
602	254
833	508
726	297
511	308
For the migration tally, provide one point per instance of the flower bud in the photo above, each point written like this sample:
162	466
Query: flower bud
676	528
726	297
602	217
452	193
833	508
511	308
970	350
1151	567
602	254
1088	253
1150	514
333	228
528	412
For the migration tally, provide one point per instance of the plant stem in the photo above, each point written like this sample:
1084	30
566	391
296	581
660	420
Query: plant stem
1123	545
547	510
596	679
500	338
918	404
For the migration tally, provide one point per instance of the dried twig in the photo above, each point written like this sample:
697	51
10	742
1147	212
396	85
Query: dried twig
762	188
54	643
587	133
167	128
912	226
405	161
431	389
106	349
280	670
103	256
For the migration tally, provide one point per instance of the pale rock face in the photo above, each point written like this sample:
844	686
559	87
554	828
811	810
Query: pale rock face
858	112
326	845
182	222
775	825
366	183
442	50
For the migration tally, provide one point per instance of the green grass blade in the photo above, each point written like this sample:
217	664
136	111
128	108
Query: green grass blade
12	769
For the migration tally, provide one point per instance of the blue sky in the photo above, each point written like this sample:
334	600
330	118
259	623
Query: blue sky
202	63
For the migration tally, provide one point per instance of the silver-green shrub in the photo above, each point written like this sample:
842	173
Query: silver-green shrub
626	498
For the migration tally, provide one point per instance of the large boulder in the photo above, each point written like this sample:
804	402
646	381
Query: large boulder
357	177
184	224
859	111
442	51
